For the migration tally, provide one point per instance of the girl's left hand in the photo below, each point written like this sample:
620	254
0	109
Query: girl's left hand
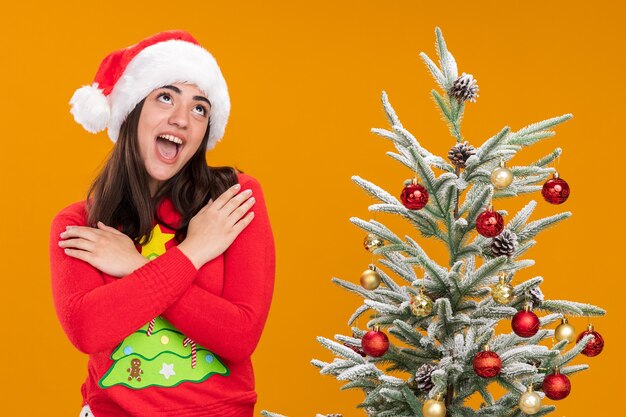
104	248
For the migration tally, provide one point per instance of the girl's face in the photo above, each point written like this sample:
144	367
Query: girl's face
171	126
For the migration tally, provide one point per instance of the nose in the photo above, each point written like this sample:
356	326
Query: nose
179	117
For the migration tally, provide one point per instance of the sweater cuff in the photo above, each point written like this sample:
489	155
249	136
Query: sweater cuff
167	276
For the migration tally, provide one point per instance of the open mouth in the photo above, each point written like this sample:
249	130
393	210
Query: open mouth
168	146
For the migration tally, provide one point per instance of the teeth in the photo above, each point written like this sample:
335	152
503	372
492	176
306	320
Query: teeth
172	139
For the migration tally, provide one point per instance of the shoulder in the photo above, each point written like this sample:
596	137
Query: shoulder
75	213
247	180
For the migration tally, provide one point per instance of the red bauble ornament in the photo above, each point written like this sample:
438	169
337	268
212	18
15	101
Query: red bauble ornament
556	386
487	364
414	196
555	190
525	323
375	343
595	345
489	223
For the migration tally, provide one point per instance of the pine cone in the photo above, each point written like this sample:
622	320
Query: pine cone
536	296
534	362
459	153
423	377
464	88
504	244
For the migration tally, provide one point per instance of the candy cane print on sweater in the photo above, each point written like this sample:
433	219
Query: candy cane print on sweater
222	307
159	353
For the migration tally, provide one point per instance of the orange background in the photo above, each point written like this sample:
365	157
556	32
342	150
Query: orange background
305	81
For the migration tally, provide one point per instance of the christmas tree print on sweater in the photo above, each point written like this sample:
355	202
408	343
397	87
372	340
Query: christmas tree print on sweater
158	354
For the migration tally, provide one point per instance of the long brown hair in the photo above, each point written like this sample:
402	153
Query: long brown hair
120	196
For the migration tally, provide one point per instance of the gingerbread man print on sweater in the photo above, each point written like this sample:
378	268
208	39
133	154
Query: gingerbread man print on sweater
157	348
135	369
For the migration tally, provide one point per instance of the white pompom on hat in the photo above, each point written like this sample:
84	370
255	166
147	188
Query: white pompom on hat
127	76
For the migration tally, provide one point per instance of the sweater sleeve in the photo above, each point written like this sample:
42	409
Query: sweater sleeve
97	316
230	325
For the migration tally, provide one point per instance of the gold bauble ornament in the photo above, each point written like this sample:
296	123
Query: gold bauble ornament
530	401
421	304
501	177
502	292
372	242
565	331
434	407
370	278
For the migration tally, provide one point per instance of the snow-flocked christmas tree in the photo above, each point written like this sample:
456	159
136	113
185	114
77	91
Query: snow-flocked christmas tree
444	317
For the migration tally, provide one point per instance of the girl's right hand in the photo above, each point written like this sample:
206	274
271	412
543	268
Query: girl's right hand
216	225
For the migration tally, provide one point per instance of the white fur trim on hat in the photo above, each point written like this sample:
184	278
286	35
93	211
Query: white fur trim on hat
165	63
90	108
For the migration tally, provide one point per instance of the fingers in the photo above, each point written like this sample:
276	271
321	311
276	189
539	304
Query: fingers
226	196
240	211
77	243
109	228
79	254
243	223
236	201
84	232
89	233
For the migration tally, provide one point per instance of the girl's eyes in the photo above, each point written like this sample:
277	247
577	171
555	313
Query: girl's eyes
201	109
166	98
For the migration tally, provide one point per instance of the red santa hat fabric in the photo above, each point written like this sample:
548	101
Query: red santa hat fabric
127	76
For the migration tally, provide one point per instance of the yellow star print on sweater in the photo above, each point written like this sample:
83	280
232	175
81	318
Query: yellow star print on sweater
158	354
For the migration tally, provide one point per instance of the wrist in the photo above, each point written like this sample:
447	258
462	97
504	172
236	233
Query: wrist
139	262
190	253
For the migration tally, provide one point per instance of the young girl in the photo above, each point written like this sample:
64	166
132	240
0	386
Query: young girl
164	275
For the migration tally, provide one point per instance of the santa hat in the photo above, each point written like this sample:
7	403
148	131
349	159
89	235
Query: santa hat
127	76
